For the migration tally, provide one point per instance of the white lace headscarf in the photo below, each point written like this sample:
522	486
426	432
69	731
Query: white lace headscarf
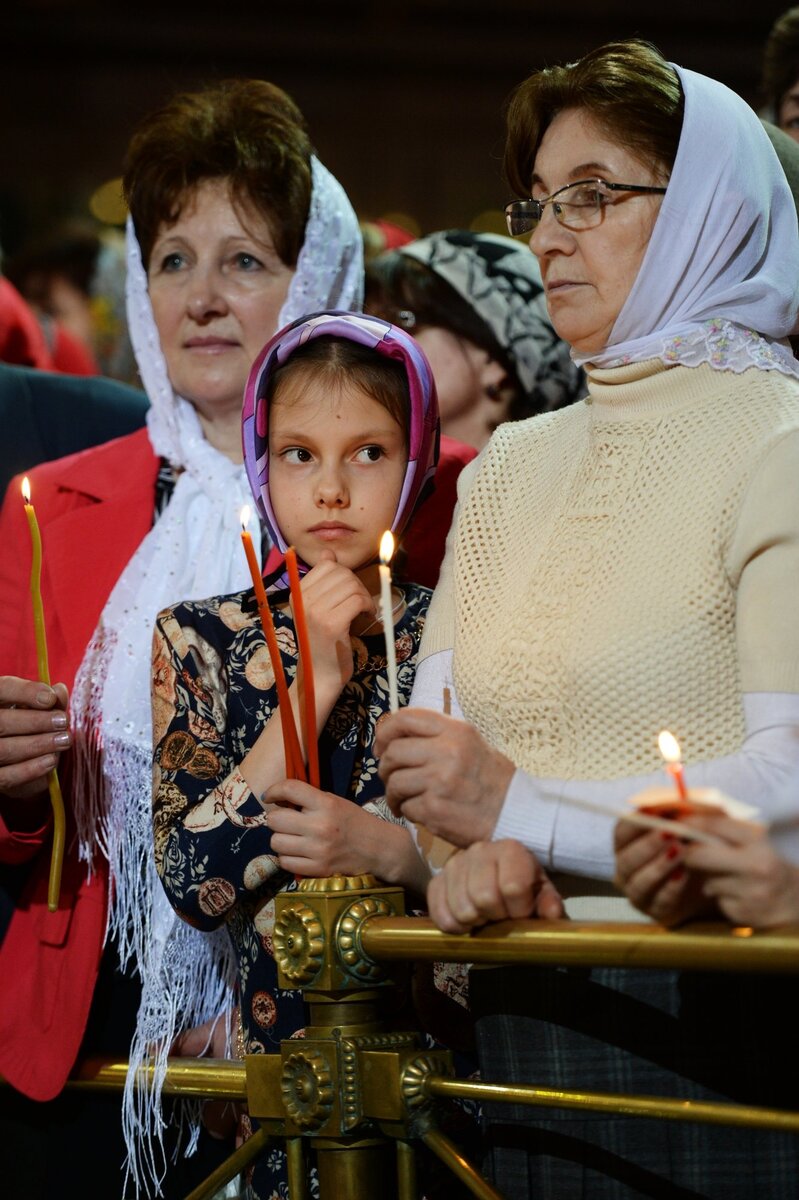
719	282
192	551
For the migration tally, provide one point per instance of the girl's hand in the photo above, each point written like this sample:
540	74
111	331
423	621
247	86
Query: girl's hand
34	731
441	773
744	875
333	596
318	834
650	870
491	881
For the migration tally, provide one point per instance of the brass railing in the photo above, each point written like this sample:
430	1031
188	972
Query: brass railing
356	1095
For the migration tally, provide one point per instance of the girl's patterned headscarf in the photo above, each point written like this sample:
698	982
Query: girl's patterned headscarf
385	339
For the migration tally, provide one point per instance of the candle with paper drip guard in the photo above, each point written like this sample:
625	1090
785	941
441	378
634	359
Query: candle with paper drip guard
295	767
672	755
387	617
40	634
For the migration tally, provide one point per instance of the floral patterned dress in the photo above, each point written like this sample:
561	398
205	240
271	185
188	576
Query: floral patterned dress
213	692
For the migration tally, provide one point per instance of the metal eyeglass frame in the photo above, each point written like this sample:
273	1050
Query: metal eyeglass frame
530	212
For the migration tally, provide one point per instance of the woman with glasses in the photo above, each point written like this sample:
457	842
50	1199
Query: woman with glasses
624	565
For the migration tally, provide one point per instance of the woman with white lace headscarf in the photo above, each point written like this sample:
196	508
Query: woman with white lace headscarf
236	229
625	565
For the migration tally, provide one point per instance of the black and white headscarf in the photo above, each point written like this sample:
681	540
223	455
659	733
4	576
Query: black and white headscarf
500	280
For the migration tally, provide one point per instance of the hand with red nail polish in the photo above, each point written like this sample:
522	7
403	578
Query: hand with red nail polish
743	874
650	871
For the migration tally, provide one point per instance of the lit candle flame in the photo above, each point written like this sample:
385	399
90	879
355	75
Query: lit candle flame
669	747
386	547
26	490
244	516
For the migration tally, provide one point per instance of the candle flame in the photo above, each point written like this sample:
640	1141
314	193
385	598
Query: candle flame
26	490
386	547
244	516
669	746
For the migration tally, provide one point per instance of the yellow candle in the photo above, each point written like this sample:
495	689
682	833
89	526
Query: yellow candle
387	617
53	786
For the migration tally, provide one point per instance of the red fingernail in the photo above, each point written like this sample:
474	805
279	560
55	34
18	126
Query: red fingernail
672	851
677	874
667	837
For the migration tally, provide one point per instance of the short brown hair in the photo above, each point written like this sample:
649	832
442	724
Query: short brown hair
247	131
339	360
627	87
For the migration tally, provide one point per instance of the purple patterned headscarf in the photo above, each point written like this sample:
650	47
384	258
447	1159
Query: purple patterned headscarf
383	338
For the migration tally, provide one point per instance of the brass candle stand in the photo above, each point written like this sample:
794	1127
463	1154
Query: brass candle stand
351	1091
356	1095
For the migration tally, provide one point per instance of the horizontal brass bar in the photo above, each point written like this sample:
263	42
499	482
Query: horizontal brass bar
709	1112
589	944
218	1077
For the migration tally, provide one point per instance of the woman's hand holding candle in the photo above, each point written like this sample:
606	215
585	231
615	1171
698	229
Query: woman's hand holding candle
651	871
441	773
34	731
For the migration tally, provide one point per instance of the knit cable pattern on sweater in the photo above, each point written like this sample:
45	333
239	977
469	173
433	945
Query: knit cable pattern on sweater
597	560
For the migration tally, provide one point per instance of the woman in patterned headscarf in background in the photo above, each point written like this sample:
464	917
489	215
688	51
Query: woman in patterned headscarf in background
475	303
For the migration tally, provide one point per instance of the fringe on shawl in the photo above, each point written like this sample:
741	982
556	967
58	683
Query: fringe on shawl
188	977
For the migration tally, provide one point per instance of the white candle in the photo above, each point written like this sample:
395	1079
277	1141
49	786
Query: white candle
387	617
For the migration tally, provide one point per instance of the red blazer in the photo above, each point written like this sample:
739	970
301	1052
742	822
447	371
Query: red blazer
94	508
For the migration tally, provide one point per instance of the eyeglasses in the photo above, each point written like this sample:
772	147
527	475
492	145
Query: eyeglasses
576	206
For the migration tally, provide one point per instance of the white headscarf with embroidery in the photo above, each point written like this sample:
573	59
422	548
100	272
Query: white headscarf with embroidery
719	283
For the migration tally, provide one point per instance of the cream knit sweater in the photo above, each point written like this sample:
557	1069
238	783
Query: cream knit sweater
625	565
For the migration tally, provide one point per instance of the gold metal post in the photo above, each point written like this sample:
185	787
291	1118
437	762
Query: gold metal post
407	1185
295	1167
352	1170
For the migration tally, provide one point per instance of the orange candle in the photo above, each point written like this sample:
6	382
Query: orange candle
670	749
53	785
294	762
308	708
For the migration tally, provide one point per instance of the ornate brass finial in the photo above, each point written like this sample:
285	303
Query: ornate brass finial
347	938
338	883
414	1075
299	942
306	1085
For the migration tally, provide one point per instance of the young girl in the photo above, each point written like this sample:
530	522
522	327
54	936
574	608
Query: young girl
340	441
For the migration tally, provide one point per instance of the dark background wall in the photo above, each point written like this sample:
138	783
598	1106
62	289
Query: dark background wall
404	101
